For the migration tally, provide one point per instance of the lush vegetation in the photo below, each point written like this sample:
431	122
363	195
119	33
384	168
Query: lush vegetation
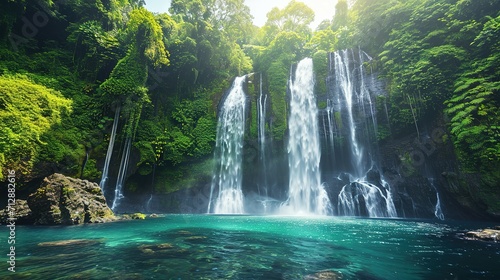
66	66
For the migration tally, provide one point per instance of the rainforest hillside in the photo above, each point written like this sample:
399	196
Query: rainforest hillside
69	68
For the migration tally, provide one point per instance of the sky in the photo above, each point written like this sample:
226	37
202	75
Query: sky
323	9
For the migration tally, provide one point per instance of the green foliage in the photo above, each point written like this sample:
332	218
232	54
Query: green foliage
146	35
90	172
320	62
204	135
323	40
277	77
440	56
474	107
99	49
295	17
28	111
127	78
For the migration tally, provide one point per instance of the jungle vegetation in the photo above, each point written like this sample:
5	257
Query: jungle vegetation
66	66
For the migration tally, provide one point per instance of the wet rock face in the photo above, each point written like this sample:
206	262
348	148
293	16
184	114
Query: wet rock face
65	200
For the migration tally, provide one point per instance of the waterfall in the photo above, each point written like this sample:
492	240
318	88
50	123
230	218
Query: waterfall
438	212
228	155
261	108
367	192
306	194
122	173
262	118
109	153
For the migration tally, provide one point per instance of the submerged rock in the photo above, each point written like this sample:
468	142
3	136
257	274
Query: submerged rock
324	275
485	234
65	200
70	242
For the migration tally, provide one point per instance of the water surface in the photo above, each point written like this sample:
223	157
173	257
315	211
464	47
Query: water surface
254	247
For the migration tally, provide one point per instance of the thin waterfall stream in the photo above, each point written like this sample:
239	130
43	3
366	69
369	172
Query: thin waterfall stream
109	153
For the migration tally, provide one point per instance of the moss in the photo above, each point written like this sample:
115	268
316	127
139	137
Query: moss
320	61
322	105
278	77
183	176
90	172
138	216
67	191
29	110
254	119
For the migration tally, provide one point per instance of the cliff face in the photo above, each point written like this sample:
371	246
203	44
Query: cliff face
426	177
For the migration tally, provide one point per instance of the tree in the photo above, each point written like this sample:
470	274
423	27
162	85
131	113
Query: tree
232	17
295	17
341	17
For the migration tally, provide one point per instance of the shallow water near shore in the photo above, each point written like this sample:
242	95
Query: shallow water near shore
254	247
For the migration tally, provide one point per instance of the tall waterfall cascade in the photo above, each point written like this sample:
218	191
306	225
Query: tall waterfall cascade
109	153
306	194
261	120
226	196
122	172
351	102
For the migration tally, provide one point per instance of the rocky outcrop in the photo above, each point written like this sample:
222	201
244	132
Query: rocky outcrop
485	234
20	211
65	200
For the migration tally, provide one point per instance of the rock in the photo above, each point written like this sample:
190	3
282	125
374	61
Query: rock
324	275
138	216
196	239
134	216
484	234
21	211
70	242
65	200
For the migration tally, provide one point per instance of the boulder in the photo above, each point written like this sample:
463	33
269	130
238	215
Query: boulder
324	275
20	211
65	200
485	234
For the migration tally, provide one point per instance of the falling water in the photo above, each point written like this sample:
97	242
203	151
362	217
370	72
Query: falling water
438	212
306	195
148	203
261	108
122	173
343	73
228	174
361	196
262	118
111	144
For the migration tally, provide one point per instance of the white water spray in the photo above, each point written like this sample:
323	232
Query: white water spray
359	196
306	195
228	174
109	153
122	173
